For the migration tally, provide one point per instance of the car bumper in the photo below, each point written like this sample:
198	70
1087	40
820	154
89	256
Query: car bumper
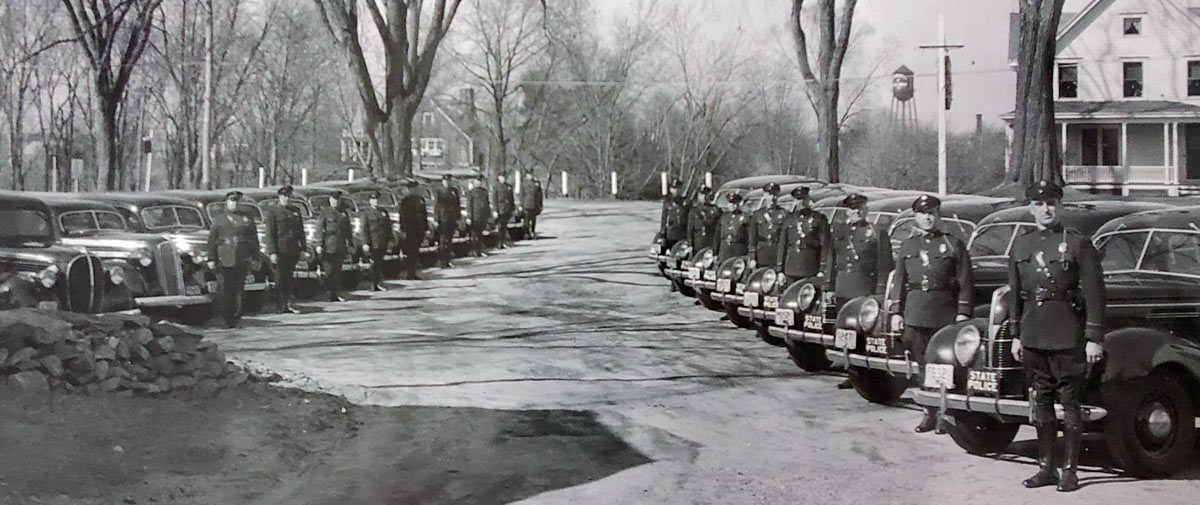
1007	407
840	358
255	286
172	300
804	336
757	314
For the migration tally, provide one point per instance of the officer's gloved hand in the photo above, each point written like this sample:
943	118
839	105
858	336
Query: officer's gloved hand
1094	351
320	250
752	265
212	265
366	249
1018	351
274	258
897	322
960	318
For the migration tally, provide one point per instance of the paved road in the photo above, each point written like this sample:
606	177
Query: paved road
582	322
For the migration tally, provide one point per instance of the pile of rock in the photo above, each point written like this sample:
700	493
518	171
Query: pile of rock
69	352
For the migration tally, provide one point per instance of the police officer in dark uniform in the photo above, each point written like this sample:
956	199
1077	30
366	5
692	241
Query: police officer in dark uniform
702	219
505	206
804	248
531	203
933	285
232	243
414	223
447	208
285	245
1057	322
376	226
766	228
479	213
862	254
673	224
334	242
733	232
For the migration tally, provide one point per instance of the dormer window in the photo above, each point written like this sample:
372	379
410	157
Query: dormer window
1068	80
1132	79
1131	25
426	118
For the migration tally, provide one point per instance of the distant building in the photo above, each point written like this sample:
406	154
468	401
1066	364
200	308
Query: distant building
445	134
1127	96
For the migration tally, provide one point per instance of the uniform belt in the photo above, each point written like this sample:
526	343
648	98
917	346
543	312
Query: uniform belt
1069	295
932	286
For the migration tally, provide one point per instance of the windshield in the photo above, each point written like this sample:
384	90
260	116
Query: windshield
83	222
1121	251
385	199
24	225
171	216
248	209
305	211
994	239
1175	252
883	219
321	202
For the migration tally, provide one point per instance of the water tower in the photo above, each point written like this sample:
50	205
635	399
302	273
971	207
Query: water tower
904	109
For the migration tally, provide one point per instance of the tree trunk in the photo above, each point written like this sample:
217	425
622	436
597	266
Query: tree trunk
1036	155
107	151
828	148
403	141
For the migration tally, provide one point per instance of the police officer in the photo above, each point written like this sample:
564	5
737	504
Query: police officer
733	231
933	285
285	245
862	255
376	226
673	224
531	203
447	209
1057	323
804	248
414	223
505	206
334	242
702	219
232	244
479	212
766	229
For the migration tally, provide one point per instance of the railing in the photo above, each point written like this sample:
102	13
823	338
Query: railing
1103	174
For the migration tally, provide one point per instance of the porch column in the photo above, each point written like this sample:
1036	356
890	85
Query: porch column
1175	153
1125	158
1167	153
1064	140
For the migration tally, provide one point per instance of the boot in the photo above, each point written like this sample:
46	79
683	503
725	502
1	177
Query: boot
1070	481
1046	475
928	422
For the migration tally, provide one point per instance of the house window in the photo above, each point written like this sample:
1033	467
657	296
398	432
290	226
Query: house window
432	147
1100	146
1193	76
1133	79
1131	26
1068	81
426	118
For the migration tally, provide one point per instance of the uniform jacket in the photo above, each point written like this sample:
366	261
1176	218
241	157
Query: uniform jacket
702	225
414	218
232	240
334	232
732	237
376	227
862	258
448	206
478	207
766	229
933	279
1057	289
674	218
284	230
805	249
503	199
531	198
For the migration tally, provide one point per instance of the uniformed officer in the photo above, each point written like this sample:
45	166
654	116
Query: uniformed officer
673	224
285	245
447	209
862	254
804	248
414	223
733	233
376	226
232	244
531	203
1057	322
933	285
766	228
505	206
479	213
334	241
702	219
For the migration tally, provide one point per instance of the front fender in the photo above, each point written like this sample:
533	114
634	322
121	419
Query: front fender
940	349
847	317
1132	353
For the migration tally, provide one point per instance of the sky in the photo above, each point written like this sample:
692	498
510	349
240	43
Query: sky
983	83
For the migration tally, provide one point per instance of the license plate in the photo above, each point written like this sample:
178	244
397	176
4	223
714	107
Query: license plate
785	317
739	289
301	265
212	286
48	305
191	290
983	381
937	376
694	273
814	322
827	298
845	339
750	299
710	275
653	251
723	285
771	302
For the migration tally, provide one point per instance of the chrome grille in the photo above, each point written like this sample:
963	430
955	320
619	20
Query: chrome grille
999	359
170	275
84	284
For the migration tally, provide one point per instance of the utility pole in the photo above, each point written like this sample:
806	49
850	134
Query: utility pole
206	121
943	53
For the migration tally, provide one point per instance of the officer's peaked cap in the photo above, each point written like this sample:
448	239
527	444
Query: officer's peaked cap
854	200
800	192
926	204
1042	191
675	182
734	197
771	188
374	195
285	190
233	194
705	190
335	194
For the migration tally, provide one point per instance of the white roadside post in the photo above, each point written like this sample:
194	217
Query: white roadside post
262	177
614	183
53	174
149	148
303	176
708	179
517	184
663	181
350	175
76	172
564	188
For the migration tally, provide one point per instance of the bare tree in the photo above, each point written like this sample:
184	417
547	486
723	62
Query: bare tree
408	55
1035	151
27	29
824	78
113	37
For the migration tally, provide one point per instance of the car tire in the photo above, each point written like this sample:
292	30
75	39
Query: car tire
981	434
877	386
195	315
684	289
764	333
809	357
737	319
706	300
1150	428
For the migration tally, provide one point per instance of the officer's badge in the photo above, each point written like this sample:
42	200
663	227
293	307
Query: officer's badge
924	258
870	232
942	248
1041	258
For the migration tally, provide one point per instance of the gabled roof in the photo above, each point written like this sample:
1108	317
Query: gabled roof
1014	31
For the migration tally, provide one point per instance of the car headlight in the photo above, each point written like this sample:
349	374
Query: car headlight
868	315
684	251
116	275
768	280
739	268
808	294
966	344
48	276
198	258
706	261
143	258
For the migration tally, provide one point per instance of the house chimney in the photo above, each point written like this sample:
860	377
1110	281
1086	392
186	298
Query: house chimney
467	97
978	124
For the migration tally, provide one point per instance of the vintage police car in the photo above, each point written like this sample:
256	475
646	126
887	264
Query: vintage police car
35	271
1143	396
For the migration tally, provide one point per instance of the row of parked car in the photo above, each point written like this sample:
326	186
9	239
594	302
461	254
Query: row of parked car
128	251
1142	397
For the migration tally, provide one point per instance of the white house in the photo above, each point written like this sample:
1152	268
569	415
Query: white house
1127	96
